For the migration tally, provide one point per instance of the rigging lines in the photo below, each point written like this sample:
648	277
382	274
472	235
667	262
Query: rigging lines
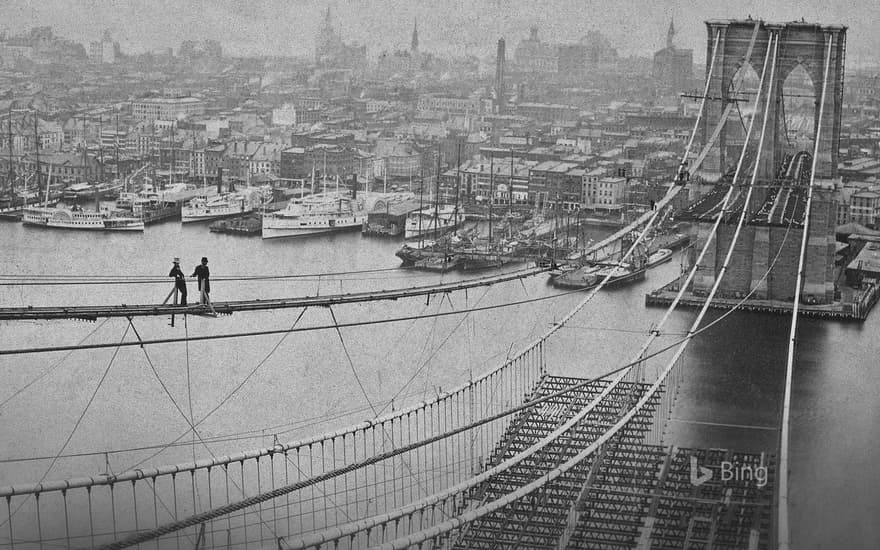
155	341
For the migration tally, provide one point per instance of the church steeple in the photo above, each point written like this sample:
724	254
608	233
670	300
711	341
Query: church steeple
414	45
670	33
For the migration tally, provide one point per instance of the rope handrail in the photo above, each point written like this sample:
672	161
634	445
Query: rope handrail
145	473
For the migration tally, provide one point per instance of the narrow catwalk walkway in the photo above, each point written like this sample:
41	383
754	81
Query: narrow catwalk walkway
228	308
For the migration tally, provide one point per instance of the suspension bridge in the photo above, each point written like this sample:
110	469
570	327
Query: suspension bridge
519	457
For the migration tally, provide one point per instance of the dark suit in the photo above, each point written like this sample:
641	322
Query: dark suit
203	275
179	282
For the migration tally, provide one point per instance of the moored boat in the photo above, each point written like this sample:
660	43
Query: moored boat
659	257
249	224
621	274
430	221
315	214
205	208
584	277
476	262
79	191
440	264
77	218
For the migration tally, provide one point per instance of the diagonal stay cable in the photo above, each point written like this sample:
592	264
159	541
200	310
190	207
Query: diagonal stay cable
54	366
350	362
161	382
424	365
275	493
370	403
229	395
75	426
21	351
388	454
189	398
366	396
182	413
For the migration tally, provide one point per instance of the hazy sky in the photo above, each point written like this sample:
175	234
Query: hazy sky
288	26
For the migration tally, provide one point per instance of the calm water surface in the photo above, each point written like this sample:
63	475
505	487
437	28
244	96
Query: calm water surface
305	384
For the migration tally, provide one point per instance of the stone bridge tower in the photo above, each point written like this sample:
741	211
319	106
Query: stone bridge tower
800	44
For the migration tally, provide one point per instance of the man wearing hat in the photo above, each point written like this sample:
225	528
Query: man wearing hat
203	275
179	280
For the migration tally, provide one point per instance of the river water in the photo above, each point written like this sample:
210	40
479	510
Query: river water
309	382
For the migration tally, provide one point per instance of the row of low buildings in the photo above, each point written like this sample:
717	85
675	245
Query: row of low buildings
578	182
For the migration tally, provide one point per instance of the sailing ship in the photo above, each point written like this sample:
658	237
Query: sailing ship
618	274
440	264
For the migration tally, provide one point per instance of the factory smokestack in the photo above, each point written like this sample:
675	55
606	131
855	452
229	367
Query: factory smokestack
500	97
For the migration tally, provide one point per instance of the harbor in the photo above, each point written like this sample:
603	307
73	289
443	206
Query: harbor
376	275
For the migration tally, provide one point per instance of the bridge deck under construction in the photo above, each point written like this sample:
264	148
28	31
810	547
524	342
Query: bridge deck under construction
630	495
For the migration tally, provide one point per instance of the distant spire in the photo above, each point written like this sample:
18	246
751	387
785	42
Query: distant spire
327	16
670	33
414	45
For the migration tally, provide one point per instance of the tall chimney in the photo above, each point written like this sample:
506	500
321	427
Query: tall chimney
219	180
501	99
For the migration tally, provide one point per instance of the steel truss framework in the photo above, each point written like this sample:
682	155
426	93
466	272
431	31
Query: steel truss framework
630	495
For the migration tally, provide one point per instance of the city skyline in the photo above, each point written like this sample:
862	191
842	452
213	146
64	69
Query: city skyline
288	28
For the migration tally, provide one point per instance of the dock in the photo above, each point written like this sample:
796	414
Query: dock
169	212
855	309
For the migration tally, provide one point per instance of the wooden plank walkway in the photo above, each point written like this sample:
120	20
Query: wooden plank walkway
93	312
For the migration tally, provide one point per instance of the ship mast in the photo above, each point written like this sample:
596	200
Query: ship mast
101	145
36	153
491	193
11	172
116	144
457	186
510	184
437	196
421	197
85	152
101	160
171	156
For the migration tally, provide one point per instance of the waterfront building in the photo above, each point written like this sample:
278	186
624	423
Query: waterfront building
556	184
603	193
300	161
